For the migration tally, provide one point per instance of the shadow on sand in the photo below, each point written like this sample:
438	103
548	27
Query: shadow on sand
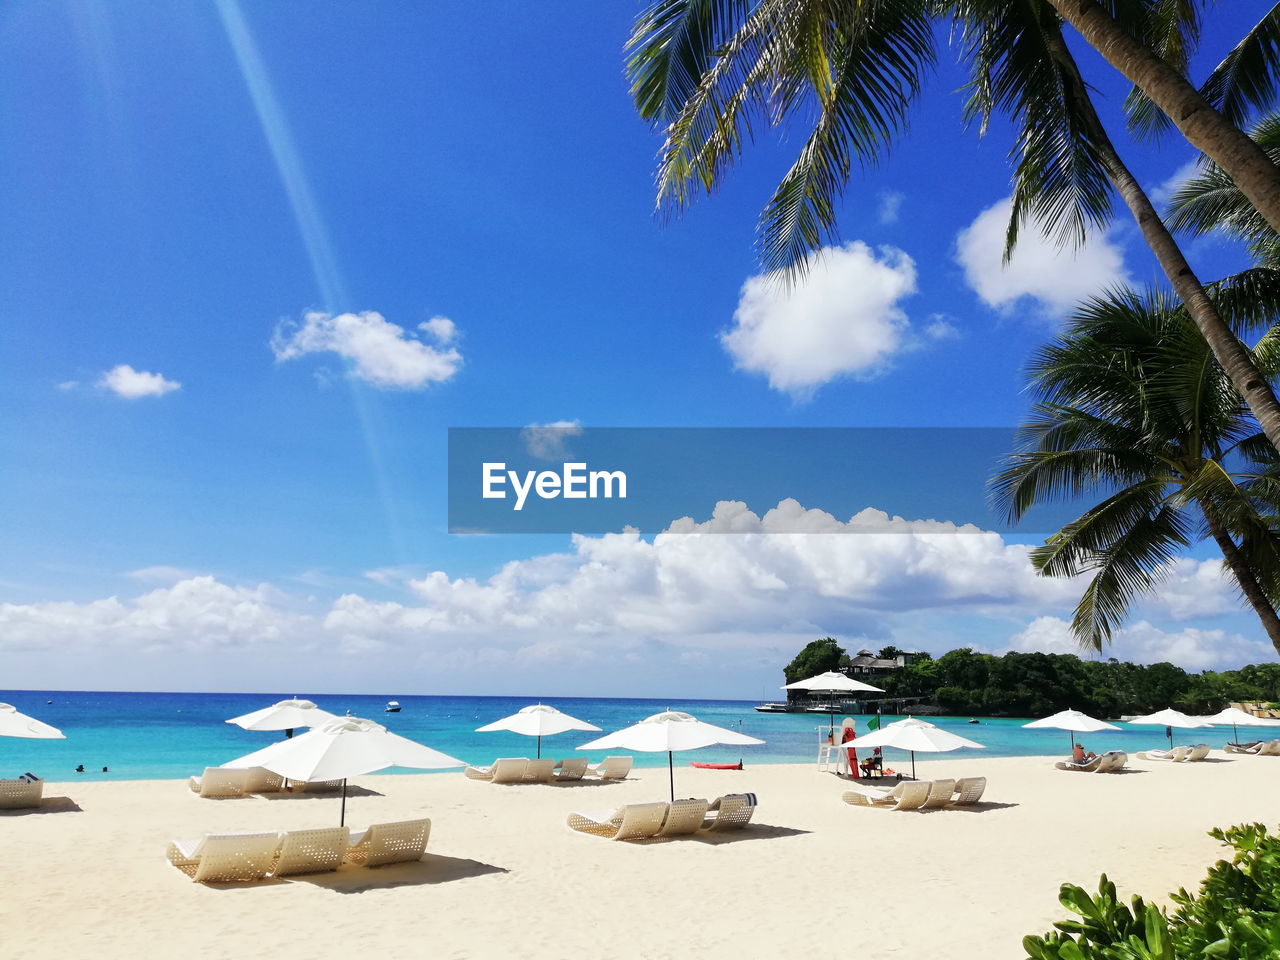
352	791
431	870
47	805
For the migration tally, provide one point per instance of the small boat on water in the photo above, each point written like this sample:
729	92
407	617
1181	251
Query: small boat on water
772	708
393	706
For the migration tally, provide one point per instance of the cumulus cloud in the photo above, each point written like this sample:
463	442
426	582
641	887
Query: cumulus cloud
621	598
546	441
1053	276
380	352
1191	648
889	206
1162	192
842	319
124	381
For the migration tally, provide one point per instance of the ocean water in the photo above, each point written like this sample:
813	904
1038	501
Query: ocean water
143	736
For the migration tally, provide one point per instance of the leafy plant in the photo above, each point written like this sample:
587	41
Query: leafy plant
1234	916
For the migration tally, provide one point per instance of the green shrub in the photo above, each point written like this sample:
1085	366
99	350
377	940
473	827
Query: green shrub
1234	916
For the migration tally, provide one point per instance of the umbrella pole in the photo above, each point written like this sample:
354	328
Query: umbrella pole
913	764
539	746
342	820
671	775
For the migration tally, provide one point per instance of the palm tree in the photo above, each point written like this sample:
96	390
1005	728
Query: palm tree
709	70
1132	407
1211	201
1208	129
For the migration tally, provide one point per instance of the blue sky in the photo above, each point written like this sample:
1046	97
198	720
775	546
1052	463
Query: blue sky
184	184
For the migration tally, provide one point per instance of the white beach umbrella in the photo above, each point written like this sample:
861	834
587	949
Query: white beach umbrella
286	715
670	731
1072	720
916	735
341	748
1170	718
15	724
1238	718
537	720
832	683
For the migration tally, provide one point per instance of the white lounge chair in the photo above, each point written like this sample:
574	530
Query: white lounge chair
315	786
684	817
733	811
219	783
539	771
571	769
1270	749
1089	766
502	770
402	842
1112	761
1197	752
262	780
311	851
1176	755
940	792
20	794
636	821
907	795
612	768
1252	747
219	857
969	790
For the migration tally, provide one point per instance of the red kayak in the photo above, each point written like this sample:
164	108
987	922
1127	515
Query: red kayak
716	766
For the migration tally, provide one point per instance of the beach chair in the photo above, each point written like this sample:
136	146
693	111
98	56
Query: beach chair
969	790
219	783
510	769
262	780
1112	761
402	842
1198	752
908	795
636	821
1270	749
684	817
20	794
1176	755
220	857
733	811
311	851
939	795
1089	766
612	768
571	769
1252	747
539	771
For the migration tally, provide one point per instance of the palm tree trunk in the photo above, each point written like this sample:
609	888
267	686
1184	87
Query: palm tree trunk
1227	349
1207	129
1248	583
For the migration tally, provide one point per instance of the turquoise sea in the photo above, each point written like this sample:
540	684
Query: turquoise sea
141	736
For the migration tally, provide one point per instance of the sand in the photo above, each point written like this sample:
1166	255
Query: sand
504	876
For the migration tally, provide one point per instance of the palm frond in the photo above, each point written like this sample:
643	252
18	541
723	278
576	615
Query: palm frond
1246	78
1171	28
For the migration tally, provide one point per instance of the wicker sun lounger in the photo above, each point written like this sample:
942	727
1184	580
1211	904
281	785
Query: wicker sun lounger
969	790
311	851
684	817
612	768
402	842
574	768
219	783
940	792
636	821
730	812
226	856
20	794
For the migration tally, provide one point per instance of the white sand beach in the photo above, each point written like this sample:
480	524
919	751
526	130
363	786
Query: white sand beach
504	876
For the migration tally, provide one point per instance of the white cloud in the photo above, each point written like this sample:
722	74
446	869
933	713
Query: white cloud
842	319
124	381
68	384
940	327
546	441
1191	648
1055	277
381	353
160	574
890	204
747	601
1162	192
441	329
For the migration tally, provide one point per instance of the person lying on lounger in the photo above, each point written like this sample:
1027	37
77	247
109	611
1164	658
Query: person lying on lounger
1079	756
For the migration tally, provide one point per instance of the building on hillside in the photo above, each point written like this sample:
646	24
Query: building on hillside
866	666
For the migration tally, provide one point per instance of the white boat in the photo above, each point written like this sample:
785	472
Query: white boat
772	708
393	706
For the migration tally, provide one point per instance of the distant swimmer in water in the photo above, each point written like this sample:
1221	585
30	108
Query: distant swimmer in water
80	769
104	770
